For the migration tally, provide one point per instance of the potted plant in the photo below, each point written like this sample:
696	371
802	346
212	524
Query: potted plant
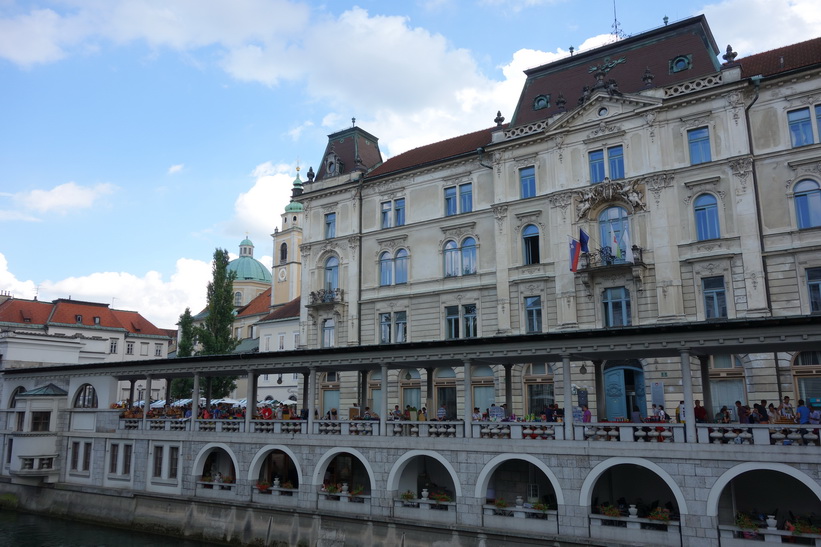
441	497
609	510
803	526
660	513
263	486
539	506
288	485
500	503
407	496
749	527
354	493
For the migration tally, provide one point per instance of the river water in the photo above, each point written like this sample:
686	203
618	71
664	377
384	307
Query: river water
28	530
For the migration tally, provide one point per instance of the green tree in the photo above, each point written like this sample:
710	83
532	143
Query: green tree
186	325
214	334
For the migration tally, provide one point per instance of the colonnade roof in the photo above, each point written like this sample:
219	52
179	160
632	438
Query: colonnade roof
740	336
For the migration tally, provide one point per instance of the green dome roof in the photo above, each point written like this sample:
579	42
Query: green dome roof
294	207
249	269
246	241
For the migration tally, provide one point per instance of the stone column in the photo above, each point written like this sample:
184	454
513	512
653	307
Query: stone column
168	398
429	391
383	405
146	401
195	397
311	397
509	390
568	399
131	393
687	382
468	400
251	399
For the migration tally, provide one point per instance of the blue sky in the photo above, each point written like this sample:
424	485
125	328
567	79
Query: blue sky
136	136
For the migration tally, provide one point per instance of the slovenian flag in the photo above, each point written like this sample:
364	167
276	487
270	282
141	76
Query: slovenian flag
616	250
575	253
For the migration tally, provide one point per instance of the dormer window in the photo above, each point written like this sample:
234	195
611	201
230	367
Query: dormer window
681	63
96	320
78	318
541	102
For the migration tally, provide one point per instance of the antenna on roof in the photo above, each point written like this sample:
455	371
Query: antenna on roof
617	32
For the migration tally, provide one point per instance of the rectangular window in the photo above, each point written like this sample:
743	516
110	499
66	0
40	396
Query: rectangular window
112	346
384	328
129	348
616	303
596	160
158	454
539	396
451	322
387	207
450	201
470	320
330	225
401	327
533	314
715	299
465	198
615	164
75	456
296	340
800	127
814	288
699	142
40	421
328	333
9	451
113	455
281	342
157	350
144	348
21	420
86	456
127	448
527	182
399	212
173	461
615	159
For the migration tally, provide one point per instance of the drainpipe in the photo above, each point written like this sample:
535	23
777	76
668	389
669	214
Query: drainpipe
756	80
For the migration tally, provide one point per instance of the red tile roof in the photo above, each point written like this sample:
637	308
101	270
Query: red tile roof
439	151
258	305
783	59
66	312
286	311
347	145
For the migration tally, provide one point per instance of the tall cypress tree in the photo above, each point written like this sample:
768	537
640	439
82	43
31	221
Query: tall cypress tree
215	332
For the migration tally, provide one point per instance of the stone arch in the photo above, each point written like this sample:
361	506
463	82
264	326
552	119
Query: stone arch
735	471
402	462
262	453
484	475
13	398
323	461
590	481
196	468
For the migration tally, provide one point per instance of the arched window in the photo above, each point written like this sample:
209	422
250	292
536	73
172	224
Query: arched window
238	298
86	397
332	273
451	259
469	256
15	393
530	244
401	266
807	204
283	253
706	211
385	269
613	223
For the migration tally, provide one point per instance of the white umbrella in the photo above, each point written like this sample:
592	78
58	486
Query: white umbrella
158	404
226	402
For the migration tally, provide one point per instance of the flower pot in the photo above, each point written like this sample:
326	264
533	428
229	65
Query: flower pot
425	493
633	511
771	522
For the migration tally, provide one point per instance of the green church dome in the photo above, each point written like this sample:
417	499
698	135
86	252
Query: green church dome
246	266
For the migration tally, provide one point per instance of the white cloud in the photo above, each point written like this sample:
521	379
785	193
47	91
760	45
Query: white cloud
159	301
175	168
10	216
257	211
296	132
63	198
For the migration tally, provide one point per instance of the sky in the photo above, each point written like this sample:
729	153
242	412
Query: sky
137	136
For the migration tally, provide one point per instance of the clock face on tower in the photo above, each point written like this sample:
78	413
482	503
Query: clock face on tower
281	274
